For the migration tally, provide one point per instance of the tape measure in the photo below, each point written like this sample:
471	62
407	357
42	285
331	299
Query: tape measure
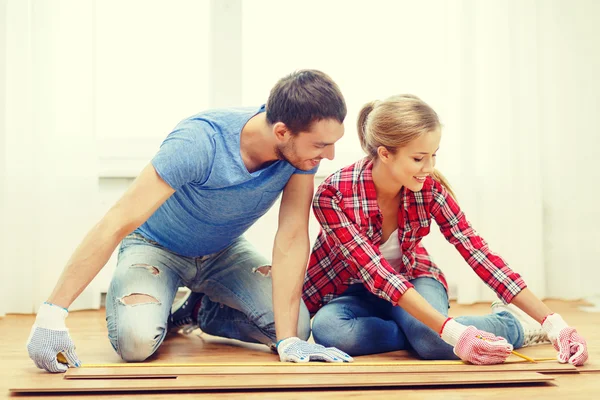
281	364
267	364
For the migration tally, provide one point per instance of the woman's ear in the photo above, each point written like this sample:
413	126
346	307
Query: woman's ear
383	154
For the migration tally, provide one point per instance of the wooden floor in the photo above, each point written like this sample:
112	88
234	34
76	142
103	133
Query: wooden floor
88	330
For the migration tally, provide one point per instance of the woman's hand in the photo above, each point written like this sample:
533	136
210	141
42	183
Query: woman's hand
474	345
571	347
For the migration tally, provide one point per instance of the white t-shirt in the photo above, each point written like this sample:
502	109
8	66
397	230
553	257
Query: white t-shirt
390	250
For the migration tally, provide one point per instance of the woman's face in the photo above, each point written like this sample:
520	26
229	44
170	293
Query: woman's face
412	163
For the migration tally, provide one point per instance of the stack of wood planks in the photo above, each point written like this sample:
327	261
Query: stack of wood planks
157	377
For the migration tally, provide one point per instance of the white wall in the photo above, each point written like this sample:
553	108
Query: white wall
569	115
50	162
92	87
3	211
487	68
151	71
15	254
371	51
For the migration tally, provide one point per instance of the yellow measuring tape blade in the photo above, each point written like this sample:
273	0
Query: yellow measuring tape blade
283	364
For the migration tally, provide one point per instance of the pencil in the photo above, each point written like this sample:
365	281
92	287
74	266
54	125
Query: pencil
523	356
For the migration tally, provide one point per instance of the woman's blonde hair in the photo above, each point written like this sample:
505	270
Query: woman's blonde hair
395	122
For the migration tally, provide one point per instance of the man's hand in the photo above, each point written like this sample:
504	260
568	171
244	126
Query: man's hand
571	347
297	350
49	336
474	345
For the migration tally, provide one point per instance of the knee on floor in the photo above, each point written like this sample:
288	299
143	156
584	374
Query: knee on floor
135	345
136	335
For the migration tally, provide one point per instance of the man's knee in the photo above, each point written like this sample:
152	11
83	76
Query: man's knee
135	346
136	336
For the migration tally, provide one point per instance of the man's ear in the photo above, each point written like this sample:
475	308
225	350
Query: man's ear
281	131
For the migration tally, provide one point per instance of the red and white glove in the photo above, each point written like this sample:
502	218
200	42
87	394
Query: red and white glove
473	345
571	347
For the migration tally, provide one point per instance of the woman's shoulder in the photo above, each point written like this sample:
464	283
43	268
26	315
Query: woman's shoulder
346	178
431	191
430	185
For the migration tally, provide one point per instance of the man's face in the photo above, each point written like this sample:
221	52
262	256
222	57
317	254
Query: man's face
307	148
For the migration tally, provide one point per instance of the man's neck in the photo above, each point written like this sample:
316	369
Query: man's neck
257	144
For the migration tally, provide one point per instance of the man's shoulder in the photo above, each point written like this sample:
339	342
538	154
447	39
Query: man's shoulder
224	120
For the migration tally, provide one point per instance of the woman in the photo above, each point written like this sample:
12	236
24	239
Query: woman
371	283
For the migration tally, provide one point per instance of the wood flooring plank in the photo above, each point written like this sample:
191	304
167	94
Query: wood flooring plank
284	381
125	372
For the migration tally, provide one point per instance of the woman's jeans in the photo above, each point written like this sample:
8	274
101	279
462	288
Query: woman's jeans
358	322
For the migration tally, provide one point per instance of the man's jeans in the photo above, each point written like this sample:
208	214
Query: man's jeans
238	300
358	322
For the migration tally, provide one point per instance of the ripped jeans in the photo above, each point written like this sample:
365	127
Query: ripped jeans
236	281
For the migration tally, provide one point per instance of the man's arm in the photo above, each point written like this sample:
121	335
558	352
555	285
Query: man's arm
290	253
146	194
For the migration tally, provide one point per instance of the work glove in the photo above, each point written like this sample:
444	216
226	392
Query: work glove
474	345
294	349
571	347
49	337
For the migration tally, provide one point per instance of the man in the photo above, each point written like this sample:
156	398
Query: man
181	223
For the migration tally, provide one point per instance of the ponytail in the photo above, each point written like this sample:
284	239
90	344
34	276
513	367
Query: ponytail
361	127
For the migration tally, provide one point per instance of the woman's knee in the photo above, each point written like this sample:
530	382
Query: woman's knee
429	346
303	322
331	329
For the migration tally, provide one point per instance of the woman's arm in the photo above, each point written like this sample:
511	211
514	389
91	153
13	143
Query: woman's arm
508	284
364	260
469	343
418	307
489	266
528	302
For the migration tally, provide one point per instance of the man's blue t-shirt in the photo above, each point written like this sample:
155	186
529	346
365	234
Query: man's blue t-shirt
216	199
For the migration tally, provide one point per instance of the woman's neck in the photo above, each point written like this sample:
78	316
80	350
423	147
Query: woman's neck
387	189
